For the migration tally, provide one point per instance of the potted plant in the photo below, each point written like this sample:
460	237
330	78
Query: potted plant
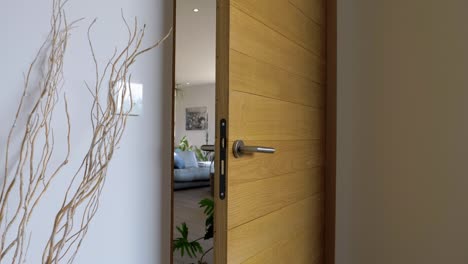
193	248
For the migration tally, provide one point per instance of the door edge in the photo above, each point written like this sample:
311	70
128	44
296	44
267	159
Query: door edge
330	140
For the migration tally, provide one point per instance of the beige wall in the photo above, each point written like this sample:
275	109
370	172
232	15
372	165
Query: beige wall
402	157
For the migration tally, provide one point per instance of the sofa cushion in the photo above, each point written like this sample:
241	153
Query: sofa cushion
178	162
191	174
202	164
189	158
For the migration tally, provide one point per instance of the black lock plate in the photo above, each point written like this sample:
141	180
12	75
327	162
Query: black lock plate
222	159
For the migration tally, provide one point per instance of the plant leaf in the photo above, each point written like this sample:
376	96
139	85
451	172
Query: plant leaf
208	205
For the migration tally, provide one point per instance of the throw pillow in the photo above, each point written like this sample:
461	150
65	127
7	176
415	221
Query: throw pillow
189	158
178	162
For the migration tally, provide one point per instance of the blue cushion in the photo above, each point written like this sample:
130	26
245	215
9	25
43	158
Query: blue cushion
178	162
190	160
192	174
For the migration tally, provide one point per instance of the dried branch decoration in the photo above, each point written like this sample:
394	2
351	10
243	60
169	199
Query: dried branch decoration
30	177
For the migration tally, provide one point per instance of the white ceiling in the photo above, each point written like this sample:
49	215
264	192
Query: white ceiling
195	42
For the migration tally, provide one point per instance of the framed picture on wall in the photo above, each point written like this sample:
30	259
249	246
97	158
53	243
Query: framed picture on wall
196	118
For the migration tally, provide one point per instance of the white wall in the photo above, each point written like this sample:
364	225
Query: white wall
194	96
402	170
132	225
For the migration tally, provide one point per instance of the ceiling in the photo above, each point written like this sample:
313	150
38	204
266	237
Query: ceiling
195	42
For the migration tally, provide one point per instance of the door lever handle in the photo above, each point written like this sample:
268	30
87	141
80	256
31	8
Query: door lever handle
239	149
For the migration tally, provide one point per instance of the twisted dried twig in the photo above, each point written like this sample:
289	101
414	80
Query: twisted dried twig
108	121
31	174
29	178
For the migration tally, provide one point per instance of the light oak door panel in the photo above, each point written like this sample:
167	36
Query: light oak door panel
304	217
254	117
293	250
290	157
313	9
250	75
293	24
271	91
256	199
253	38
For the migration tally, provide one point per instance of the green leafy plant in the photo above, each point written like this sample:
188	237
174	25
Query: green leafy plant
201	155
193	248
208	205
184	245
184	145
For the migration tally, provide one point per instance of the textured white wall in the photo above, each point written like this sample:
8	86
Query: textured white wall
132	225
194	96
402	170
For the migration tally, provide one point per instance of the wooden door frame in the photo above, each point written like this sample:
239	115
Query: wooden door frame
222	82
222	110
330	135
174	40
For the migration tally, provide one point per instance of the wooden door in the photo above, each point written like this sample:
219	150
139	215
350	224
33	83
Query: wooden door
271	92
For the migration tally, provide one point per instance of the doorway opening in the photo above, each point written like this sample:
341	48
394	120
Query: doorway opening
194	131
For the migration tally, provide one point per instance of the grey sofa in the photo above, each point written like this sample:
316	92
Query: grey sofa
191	177
193	173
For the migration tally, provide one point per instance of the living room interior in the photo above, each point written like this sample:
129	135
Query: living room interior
194	127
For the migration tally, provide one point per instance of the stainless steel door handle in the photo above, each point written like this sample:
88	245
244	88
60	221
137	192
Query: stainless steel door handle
239	149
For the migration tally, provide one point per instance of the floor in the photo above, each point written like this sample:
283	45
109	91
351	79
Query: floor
186	209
